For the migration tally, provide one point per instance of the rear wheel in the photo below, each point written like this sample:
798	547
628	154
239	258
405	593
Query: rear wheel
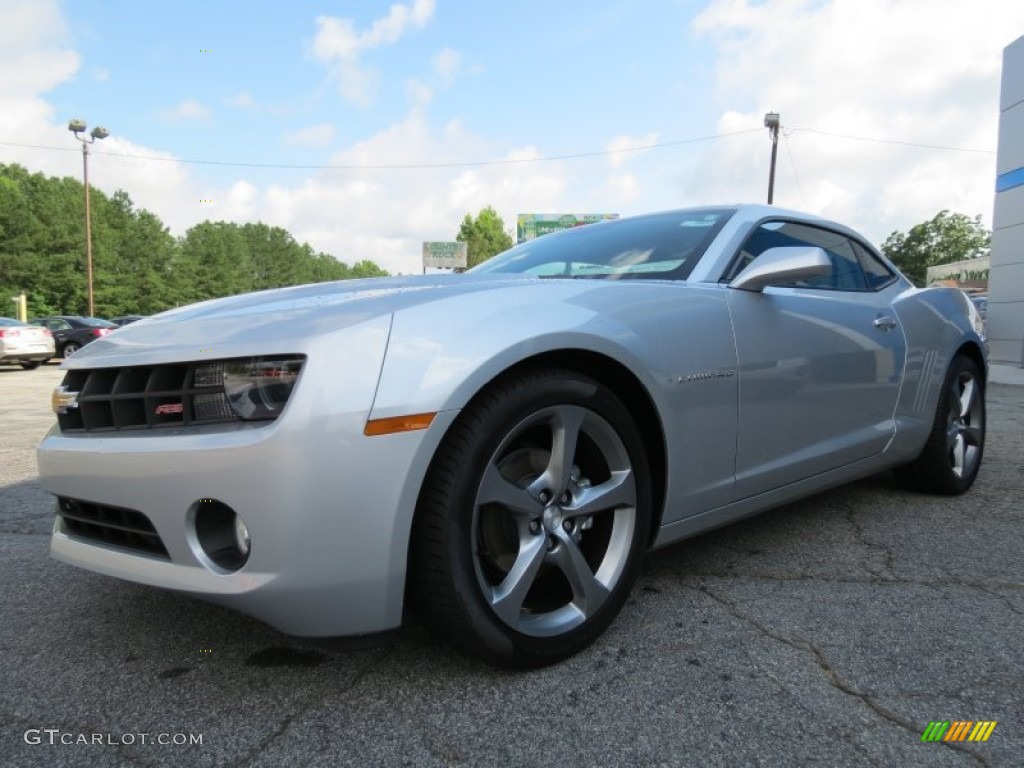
533	521
952	456
31	365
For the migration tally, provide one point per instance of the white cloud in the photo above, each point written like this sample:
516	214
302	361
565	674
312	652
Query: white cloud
384	215
339	44
626	147
32	57
187	109
318	135
240	202
923	71
419	93
447	64
241	100
101	75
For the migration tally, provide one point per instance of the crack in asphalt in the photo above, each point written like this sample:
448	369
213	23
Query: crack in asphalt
286	723
844	733
833	677
984	586
869	546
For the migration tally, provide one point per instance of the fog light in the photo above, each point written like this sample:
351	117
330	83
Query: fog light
221	534
241	537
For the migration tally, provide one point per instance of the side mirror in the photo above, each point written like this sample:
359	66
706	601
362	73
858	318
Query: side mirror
778	266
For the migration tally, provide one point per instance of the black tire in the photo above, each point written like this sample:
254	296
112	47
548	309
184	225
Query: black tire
31	365
952	456
69	349
532	579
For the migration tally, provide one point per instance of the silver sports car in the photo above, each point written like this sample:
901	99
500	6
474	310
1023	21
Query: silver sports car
499	449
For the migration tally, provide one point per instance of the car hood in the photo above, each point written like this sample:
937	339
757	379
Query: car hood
277	320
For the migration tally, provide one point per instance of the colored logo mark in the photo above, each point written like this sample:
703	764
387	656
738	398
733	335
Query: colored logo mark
959	730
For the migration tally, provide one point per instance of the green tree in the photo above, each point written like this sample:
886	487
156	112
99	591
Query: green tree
214	261
944	239
138	266
484	236
367	268
277	260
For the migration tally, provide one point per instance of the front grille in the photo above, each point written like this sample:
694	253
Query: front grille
145	397
124	528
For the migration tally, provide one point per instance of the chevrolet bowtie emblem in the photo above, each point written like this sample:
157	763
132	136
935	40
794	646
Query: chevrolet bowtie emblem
62	400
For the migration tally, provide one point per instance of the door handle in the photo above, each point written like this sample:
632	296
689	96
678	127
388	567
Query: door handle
885	323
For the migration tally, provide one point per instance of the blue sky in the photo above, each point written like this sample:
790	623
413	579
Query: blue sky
427	82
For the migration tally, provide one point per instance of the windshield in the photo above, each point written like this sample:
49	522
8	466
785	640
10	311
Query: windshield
656	247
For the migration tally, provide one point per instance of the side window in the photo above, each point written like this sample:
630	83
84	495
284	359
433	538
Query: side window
877	274
847	274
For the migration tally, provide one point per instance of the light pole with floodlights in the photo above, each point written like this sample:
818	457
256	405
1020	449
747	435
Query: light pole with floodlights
99	132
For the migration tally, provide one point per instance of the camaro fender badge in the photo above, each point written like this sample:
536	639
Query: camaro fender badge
166	409
724	373
62	400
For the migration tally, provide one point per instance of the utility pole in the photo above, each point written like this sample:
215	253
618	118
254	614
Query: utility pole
77	127
771	122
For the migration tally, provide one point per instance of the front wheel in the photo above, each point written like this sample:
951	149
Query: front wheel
69	349
533	521
952	456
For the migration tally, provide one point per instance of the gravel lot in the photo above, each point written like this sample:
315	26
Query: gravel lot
829	632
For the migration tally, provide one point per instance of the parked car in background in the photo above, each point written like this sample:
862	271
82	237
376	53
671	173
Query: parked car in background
126	319
72	332
27	345
981	302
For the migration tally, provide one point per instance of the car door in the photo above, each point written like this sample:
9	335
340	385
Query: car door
820	362
60	328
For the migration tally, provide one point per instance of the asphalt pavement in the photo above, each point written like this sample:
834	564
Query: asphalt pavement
830	632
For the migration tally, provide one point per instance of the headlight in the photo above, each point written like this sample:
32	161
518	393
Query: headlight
250	388
259	388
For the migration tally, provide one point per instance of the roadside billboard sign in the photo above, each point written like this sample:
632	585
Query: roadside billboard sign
450	255
532	225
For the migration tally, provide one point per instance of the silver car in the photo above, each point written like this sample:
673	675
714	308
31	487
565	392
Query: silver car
501	448
26	345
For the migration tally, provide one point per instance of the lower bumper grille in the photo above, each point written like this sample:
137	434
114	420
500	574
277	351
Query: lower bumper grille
123	528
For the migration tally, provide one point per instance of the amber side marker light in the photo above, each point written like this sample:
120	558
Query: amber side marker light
394	424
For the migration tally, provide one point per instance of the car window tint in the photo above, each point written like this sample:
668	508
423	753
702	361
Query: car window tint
846	274
876	273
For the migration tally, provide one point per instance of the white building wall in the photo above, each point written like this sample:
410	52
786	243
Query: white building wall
1006	275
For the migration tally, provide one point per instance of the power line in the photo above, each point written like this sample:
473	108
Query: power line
891	141
484	163
796	175
404	166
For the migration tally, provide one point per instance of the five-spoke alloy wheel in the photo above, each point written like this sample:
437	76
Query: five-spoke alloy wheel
534	520
952	456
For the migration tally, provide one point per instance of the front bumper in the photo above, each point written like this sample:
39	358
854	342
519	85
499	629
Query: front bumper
328	510
325	526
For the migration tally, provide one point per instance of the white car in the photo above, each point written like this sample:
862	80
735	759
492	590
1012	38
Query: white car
27	345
